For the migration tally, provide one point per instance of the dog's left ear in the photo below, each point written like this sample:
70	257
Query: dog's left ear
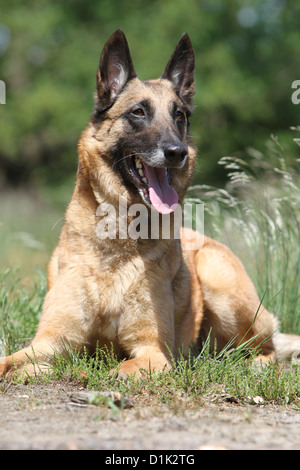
115	69
180	69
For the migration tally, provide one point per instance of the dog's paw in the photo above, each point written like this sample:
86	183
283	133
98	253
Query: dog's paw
23	372
123	374
141	367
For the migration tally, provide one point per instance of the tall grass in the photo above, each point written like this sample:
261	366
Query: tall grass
20	309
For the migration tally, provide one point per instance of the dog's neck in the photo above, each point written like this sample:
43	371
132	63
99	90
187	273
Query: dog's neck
90	206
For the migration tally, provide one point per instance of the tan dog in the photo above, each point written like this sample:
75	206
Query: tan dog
148	295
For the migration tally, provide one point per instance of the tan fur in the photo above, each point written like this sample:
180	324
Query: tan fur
146	297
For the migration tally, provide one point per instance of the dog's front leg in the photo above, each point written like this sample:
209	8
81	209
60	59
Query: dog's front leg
64	324
146	332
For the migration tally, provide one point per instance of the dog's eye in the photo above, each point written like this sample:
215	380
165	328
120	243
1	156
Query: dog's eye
139	112
179	115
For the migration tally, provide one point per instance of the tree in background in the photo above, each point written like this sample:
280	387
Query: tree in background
247	59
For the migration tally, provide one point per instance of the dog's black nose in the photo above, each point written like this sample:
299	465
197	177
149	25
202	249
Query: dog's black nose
175	153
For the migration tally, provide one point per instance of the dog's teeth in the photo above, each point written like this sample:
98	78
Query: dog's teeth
140	170
138	163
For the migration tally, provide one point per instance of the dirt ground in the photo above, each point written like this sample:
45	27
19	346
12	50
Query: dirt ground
45	417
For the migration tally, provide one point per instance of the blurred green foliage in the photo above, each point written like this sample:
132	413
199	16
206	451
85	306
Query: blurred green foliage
247	58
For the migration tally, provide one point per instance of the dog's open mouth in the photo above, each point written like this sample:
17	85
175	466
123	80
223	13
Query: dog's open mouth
155	185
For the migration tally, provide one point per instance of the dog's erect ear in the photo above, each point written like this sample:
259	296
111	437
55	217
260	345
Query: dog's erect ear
180	69
115	69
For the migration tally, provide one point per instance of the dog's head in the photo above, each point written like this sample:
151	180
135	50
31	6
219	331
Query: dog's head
142	126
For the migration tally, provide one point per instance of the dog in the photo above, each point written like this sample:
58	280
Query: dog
150	297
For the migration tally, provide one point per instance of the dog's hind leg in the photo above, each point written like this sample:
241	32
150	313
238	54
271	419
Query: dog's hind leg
232	309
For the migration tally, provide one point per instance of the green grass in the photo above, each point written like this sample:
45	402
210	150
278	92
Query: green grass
229	376
258	216
20	309
192	380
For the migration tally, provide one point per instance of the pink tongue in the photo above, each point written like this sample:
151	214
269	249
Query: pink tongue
162	196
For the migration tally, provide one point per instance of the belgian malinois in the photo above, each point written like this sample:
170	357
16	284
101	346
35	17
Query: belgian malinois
151	297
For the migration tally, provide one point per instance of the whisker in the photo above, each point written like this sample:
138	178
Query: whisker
129	155
115	163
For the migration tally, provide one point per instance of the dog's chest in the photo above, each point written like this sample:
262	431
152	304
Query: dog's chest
127	291
117	290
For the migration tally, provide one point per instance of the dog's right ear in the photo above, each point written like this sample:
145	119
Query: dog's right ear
115	69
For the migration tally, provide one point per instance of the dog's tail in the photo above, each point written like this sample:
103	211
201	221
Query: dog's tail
287	346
